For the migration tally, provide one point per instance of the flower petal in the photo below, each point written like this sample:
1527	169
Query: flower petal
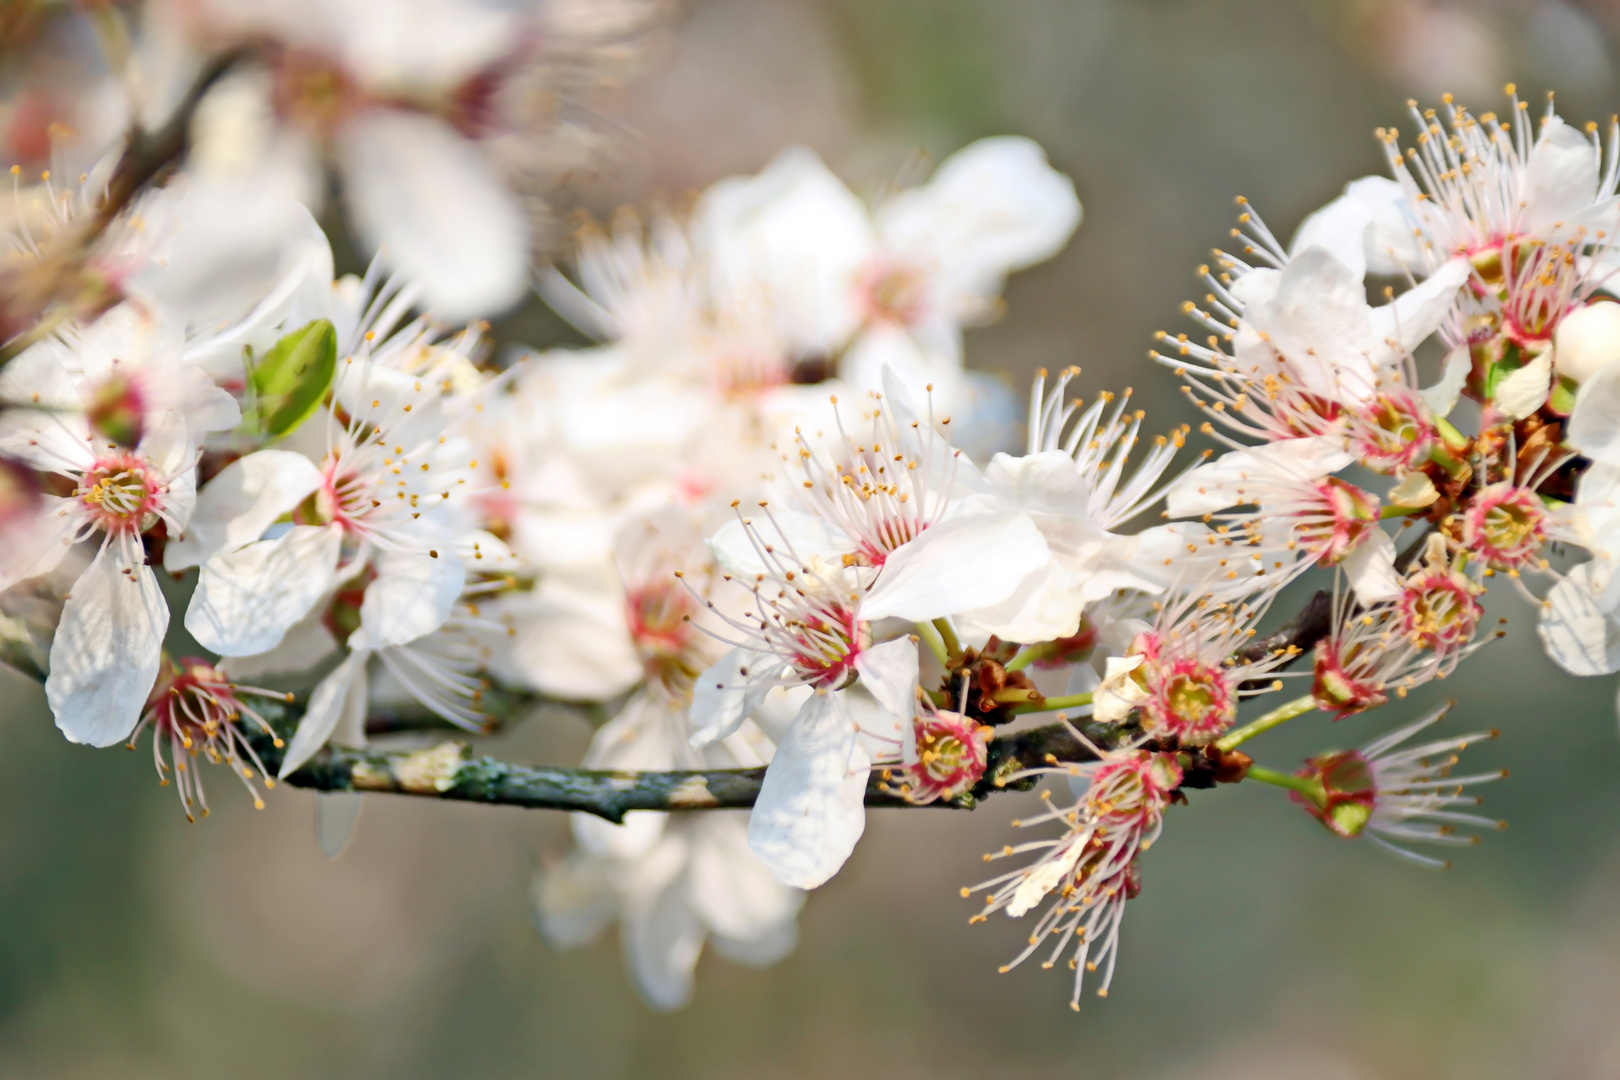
960	564
1442	397
740	901
889	673
428	201
1560	177
729	690
1594	426
412	594
240	503
992	207
1242	476
1579	635
663	939
108	645
796	537
568	642
1525	390
1370	568
338	701
247	599
811	808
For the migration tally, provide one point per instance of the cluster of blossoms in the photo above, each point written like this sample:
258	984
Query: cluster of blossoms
770	523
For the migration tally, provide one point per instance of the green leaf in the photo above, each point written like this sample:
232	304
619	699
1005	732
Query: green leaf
293	377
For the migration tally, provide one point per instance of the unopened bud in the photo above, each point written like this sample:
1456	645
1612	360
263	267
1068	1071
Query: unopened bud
1587	341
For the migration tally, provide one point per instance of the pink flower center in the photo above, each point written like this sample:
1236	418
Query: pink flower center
1345	516
1190	699
1339	686
658	620
122	493
826	648
1129	793
1439	611
1505	525
891	291
950	756
1396	434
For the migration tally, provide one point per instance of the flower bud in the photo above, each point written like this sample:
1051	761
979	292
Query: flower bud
1587	341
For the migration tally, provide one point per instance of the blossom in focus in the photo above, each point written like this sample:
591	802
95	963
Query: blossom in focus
1396	794
1090	870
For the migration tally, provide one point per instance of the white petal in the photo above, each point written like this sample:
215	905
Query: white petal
411	596
1370	568
958	565
1046	605
1578	634
568	641
36	544
1594	426
884	346
336	815
247	599
793	236
811	808
889	673
992	207
306	645
1441	398
729	690
338	701
1561	177
1373	212
240	503
108	645
1045	877
429	203
1525	391
1319	319
1415	314
795	536
1241	476
1340	228
1117	694
574	901
736	895
663	939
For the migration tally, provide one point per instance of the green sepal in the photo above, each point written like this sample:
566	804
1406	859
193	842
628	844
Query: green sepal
1562	398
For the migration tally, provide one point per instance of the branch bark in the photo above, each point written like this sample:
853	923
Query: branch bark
450	771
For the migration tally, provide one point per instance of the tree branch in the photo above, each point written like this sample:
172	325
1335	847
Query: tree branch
450	771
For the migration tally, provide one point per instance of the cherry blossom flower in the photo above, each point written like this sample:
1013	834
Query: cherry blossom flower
1396	796
196	709
1092	867
893	287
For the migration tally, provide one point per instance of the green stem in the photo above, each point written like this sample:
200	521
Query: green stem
1401	511
1311	789
935	643
1029	655
947	634
1448	432
1280	715
1067	701
1442	456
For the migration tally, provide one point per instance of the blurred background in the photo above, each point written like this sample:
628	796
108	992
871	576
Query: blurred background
133	945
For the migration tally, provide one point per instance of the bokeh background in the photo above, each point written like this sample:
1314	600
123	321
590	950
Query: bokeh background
133	945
